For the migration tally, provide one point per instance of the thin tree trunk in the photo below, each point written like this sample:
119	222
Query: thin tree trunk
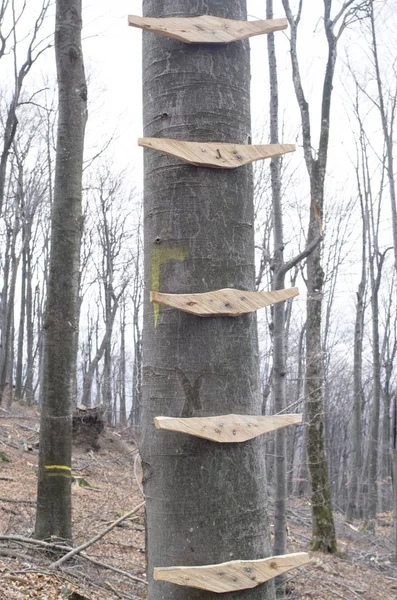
323	535
8	314
387	130
375	410
21	330
300	470
28	388
205	503
355	455
10	387
122	373
107	384
278	312
53	516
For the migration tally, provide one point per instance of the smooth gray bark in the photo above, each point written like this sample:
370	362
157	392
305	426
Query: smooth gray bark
324	537
206	503
278	313
355	455
53	517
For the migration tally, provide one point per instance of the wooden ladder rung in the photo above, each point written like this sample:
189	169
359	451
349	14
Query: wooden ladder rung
207	29
234	575
227	428
214	155
222	303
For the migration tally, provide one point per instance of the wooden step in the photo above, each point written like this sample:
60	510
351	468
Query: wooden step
214	155
222	303
227	428
207	29
234	575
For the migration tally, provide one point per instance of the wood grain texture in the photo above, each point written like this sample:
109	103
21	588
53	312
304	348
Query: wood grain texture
222	303
214	155
227	428
207	29
234	575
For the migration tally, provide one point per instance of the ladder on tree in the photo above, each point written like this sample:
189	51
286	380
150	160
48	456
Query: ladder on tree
237	574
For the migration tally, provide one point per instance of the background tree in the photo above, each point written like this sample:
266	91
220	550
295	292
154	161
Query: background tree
324	537
53	516
279	269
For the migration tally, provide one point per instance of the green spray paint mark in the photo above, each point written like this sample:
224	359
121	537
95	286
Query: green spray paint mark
159	257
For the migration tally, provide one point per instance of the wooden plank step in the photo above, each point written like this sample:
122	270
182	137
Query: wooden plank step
214	155
227	428
207	29
222	303
234	575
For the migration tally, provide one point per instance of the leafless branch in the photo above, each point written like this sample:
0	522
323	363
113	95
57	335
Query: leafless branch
301	256
100	535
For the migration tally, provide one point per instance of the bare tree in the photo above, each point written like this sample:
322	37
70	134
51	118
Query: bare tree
323	525
386	103
35	48
109	258
279	270
53	516
356	430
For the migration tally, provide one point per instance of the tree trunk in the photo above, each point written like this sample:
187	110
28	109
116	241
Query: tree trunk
8	298
107	384
53	517
323	536
21	329
28	388
122	368
205	503
355	456
278	313
375	409
388	129
394	470
300	470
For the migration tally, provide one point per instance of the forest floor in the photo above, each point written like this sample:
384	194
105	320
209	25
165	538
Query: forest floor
363	569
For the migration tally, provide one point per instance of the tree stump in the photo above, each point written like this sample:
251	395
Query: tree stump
87	425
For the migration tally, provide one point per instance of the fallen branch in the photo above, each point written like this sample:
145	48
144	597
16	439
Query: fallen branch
77	550
111	588
99	563
31	502
54	546
116	593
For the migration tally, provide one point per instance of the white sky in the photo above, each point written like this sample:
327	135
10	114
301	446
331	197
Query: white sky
113	58
112	53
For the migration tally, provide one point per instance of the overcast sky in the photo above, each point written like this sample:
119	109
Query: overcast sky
112	53
113	57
